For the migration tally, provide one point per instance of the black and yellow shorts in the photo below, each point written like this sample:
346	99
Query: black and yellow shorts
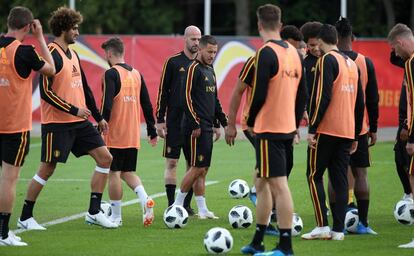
57	145
361	157
174	139
198	151
124	159
271	157
14	147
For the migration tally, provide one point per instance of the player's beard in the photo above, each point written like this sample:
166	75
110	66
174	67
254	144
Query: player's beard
69	39
193	49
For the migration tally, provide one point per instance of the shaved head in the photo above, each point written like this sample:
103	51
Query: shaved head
192	35
191	30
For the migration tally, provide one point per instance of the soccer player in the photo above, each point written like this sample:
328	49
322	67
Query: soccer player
401	39
17	62
310	32
278	100
124	93
292	34
401	158
360	160
202	112
170	111
336	115
67	102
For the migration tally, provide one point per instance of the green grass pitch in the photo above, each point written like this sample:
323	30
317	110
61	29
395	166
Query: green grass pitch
67	193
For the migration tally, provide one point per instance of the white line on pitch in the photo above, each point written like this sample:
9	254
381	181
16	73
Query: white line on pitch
80	215
61	180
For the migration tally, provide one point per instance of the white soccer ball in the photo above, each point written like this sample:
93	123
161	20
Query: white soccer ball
218	240
175	216
106	208
404	212
238	188
297	224
240	216
351	221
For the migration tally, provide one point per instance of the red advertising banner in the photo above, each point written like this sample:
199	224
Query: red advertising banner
148	53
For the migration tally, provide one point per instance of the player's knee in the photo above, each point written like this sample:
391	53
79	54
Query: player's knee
105	161
172	165
46	172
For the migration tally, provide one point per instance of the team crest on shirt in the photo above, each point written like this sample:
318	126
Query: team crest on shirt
168	150
182	69
56	153
206	79
200	158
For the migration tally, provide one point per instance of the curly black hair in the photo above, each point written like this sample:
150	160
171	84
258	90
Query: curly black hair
63	19
310	30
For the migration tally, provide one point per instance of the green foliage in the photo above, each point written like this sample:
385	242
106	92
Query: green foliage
107	16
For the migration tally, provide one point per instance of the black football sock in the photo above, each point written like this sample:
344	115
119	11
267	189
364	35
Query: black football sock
285	240
363	211
187	200
4	224
257	241
170	190
95	203
27	211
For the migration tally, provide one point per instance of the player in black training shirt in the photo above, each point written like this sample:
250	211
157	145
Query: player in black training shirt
310	32
17	61
360	160
401	158
67	102
170	111
202	112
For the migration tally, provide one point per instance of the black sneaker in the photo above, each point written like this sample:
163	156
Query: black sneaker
189	210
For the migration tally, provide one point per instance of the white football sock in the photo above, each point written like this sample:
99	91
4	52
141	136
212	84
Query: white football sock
201	203
116	209
142	195
179	199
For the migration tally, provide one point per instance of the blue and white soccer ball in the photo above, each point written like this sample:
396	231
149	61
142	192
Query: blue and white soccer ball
238	188
218	240
175	216
404	212
351	221
240	216
106	208
297	224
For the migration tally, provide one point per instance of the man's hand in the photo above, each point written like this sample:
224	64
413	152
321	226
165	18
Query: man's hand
311	141
103	127
84	113
217	132
410	148
161	129
153	141
296	139
36	28
353	147
373	138
404	134
196	133
250	130
230	134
